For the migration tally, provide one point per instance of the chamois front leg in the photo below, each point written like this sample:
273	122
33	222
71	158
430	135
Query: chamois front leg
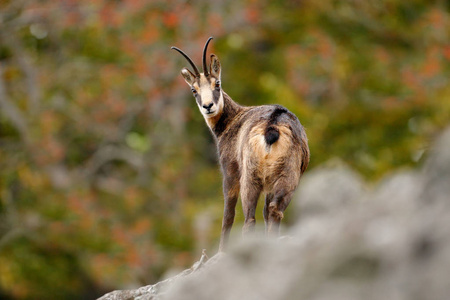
231	195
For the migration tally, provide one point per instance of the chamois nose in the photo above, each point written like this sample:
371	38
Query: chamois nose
207	106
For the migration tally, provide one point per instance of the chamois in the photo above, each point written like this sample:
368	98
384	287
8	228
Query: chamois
260	148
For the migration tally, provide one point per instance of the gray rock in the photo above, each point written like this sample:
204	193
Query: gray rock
391	241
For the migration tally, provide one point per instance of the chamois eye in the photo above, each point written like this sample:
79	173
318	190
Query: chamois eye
218	84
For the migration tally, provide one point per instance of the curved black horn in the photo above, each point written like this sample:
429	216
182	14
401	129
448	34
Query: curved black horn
205	68
197	73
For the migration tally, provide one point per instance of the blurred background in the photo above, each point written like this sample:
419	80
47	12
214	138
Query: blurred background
108	172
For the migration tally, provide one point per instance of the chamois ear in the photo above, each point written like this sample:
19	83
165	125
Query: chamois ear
215	66
188	76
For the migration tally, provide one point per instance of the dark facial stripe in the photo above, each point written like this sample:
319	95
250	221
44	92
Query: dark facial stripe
216	96
198	98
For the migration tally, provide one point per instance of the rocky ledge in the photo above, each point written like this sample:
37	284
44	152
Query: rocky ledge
351	241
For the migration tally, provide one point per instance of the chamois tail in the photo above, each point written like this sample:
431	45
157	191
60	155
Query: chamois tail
272	134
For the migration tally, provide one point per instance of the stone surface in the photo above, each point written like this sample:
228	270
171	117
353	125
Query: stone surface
391	241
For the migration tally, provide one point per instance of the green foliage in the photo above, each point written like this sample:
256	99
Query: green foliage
105	163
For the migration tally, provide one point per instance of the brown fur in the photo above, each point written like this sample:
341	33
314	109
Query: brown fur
251	166
261	149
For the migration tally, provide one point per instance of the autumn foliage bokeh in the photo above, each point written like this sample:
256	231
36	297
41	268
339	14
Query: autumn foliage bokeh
108	174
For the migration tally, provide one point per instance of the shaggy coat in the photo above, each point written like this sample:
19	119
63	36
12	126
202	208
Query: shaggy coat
261	149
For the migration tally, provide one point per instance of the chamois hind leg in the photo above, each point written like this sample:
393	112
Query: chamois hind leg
276	208
269	197
250	192
231	195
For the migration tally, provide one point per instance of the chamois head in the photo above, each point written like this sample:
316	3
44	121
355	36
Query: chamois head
205	86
